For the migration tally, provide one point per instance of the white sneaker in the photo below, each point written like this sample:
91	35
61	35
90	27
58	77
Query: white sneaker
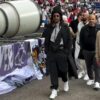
90	82
53	94
97	86
86	78
66	87
80	75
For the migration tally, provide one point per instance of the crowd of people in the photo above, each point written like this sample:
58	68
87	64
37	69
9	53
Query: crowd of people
72	44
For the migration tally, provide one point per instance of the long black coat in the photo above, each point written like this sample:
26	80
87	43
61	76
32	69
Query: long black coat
60	57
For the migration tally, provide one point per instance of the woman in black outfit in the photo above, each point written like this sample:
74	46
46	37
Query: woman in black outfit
57	46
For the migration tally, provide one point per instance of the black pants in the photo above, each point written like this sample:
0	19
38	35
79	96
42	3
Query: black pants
58	67
89	59
54	79
93	69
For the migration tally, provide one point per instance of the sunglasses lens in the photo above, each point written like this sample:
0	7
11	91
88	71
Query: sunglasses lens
56	16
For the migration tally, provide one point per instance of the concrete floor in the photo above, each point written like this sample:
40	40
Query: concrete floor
39	90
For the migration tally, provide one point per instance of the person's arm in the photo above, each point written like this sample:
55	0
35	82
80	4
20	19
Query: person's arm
98	48
72	33
81	37
67	39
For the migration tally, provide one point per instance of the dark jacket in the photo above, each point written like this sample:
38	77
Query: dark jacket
65	34
88	37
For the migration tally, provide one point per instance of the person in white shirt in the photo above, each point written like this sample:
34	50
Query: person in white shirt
80	62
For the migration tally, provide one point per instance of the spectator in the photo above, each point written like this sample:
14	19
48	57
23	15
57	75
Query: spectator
57	46
87	43
97	67
80	62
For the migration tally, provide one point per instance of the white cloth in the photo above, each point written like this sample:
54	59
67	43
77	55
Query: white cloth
33	43
77	46
37	72
24	72
55	33
5	87
77	50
